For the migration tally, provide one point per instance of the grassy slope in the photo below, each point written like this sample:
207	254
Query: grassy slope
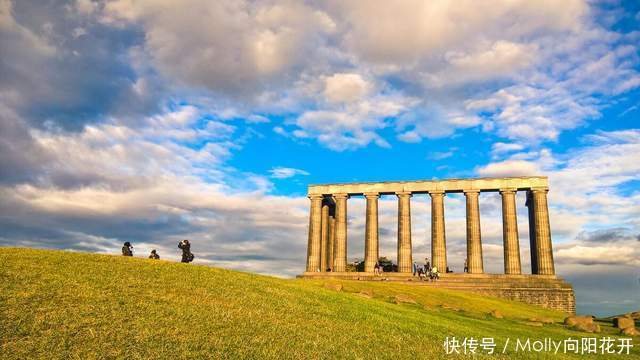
61	304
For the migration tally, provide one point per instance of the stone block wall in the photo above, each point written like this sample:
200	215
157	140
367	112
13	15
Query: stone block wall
556	299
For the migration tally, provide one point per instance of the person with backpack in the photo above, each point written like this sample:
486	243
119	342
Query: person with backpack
185	246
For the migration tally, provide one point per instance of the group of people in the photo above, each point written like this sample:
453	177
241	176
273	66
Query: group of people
426	271
184	245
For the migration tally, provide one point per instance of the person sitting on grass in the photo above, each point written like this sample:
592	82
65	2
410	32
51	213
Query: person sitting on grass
127	249
154	255
435	275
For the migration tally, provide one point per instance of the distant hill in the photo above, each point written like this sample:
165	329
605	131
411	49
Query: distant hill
56	304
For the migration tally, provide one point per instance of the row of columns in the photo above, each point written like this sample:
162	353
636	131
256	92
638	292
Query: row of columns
327	247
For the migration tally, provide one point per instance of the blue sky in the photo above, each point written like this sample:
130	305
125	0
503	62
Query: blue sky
155	121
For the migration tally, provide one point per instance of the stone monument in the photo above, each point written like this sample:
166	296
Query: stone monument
327	243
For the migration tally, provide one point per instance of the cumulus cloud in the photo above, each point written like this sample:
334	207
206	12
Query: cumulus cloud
509	168
584	190
61	68
523	71
427	28
235	47
352	125
345	88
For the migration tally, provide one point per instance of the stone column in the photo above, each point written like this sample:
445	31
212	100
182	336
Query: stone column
404	232
340	250
324	237
511	243
438	238
543	232
332	237
315	233
474	244
371	232
533	248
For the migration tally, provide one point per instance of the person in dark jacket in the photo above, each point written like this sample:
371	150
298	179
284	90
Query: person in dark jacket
185	246
127	249
154	255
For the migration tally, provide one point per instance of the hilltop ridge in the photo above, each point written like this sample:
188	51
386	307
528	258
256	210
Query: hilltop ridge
57	304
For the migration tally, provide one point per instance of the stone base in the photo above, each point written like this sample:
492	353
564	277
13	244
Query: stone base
547	291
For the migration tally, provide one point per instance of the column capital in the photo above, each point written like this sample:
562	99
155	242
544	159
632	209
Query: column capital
340	196
436	192
540	189
371	195
403	193
508	190
315	196
471	191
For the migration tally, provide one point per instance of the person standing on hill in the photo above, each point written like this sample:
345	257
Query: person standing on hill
185	246
154	255
127	249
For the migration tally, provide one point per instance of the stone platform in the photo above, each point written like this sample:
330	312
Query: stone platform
548	291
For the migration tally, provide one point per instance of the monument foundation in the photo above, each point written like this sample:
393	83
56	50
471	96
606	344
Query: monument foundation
327	243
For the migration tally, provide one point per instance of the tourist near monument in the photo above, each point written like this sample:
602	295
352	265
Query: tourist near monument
327	242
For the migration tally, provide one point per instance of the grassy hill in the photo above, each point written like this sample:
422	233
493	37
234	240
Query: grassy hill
56	304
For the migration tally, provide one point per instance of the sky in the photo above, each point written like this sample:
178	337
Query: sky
154	121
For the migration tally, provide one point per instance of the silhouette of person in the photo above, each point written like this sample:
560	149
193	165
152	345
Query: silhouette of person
127	249
154	255
185	246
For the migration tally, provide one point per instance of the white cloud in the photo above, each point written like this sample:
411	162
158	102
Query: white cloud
509	168
428	27
233	47
609	254
285	172
442	155
345	88
352	125
524	71
584	184
500	148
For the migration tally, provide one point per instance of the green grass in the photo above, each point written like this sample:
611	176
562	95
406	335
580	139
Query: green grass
56	304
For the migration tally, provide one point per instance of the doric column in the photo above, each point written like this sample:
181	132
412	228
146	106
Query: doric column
543	232
315	233
371	232
474	244
324	237
438	238
340	250
511	244
533	248
404	232
332	236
